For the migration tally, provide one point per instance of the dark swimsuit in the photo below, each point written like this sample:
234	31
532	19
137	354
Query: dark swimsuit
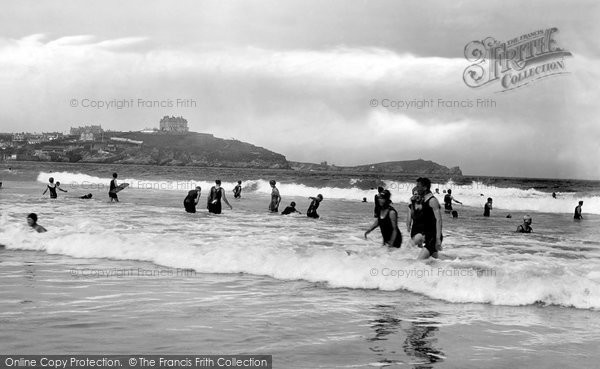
417	221
522	229
111	191
274	206
52	191
577	214
214	195
312	209
430	227
387	229
237	192
190	201
486	210
288	210
448	203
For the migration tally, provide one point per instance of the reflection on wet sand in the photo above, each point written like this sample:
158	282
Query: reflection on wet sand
414	334
420	340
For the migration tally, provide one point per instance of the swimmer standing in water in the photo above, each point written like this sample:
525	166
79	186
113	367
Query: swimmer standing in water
314	205
112	194
387	221
578	211
213	201
237	190
275	197
414	219
52	187
432	220
487	207
448	198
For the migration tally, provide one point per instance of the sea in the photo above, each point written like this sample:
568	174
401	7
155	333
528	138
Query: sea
144	276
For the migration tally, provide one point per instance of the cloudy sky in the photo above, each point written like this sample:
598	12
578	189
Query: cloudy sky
299	77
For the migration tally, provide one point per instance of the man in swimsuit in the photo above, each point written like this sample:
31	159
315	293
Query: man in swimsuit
314	205
275	198
52	187
192	199
448	198
414	219
290	209
213	201
432	220
376	201
577	214
526	226
387	221
32	222
487	207
112	194
237	190
85	197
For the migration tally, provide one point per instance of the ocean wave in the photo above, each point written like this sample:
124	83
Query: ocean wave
517	279
474	194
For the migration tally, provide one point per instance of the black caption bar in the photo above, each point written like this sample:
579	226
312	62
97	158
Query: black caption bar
137	361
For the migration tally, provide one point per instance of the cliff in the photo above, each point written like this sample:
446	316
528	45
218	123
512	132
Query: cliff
194	149
199	149
420	167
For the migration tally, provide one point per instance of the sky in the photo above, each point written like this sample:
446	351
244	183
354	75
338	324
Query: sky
301	78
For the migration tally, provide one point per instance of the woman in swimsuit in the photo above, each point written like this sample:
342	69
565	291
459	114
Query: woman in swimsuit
414	219
52	187
275	198
192	199
213	202
387	221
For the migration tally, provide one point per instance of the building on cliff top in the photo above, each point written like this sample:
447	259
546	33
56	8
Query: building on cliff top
87	133
173	124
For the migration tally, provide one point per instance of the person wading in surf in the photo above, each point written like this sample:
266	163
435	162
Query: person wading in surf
213	201
387	221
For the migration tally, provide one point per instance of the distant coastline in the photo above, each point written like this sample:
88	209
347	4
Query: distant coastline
186	149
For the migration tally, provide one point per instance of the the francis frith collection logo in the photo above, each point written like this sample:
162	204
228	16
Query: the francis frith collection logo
516	62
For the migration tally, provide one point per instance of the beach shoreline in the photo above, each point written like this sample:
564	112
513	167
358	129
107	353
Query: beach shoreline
50	306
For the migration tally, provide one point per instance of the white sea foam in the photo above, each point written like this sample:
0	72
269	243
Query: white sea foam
247	243
474	194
